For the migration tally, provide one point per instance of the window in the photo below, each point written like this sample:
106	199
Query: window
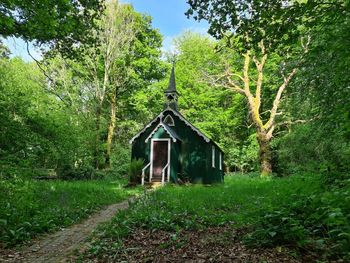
220	161
168	120
213	156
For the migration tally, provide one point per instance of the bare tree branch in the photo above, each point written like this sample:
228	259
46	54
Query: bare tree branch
260	67
277	99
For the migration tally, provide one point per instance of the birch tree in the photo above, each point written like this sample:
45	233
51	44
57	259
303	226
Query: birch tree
103	68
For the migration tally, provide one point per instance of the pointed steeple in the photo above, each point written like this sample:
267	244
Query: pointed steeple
170	93
172	83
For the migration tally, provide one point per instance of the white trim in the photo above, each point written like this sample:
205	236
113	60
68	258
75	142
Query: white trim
151	160
176	114
213	156
145	128
220	161
143	173
156	128
189	124
170	119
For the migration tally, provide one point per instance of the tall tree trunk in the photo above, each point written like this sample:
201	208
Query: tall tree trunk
111	129
264	130
265	155
96	156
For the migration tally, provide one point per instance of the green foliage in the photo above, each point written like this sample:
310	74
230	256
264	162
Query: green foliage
318	221
278	23
294	211
102	85
67	172
29	207
135	170
318	97
62	23
243	156
36	130
120	160
308	148
218	112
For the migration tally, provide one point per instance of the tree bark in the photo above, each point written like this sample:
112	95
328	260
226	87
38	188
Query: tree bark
264	130
265	155
96	155
110	135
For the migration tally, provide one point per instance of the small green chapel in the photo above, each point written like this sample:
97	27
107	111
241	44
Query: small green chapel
173	149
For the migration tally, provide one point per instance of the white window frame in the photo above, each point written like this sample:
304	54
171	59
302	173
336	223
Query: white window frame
220	160
213	156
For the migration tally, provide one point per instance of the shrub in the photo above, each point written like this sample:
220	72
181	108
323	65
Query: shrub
320	222
120	161
135	170
67	172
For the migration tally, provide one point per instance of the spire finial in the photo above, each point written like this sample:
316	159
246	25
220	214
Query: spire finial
171	93
172	83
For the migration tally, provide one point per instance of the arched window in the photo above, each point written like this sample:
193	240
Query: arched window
168	120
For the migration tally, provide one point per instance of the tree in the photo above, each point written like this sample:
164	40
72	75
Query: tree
252	27
105	78
216	112
37	130
277	22
319	94
4	51
62	23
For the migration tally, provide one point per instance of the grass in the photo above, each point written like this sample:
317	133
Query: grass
295	211
30	207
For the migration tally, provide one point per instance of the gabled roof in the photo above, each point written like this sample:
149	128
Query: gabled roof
176	113
167	129
146	127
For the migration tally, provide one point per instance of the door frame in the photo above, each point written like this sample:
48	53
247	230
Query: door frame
169	160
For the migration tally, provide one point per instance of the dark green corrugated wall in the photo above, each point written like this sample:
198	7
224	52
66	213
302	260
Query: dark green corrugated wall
191	157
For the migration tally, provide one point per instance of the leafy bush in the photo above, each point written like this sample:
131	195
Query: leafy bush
243	157
120	160
67	172
135	170
320	221
309	148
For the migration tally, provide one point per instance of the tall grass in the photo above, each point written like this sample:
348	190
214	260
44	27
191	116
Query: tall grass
31	207
283	211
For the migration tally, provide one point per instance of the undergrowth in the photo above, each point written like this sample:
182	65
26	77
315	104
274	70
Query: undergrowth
30	207
297	212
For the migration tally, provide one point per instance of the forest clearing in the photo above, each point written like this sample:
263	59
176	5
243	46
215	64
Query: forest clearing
174	131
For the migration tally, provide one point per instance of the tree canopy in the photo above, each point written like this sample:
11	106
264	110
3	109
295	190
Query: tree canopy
60	23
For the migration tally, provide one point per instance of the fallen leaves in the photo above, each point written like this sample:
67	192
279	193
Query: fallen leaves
216	244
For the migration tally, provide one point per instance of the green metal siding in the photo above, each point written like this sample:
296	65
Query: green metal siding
190	157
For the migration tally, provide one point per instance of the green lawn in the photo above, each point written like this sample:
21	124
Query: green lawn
31	207
296	212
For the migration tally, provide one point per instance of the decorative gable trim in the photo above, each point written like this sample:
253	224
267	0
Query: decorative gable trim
146	127
176	113
166	130
189	124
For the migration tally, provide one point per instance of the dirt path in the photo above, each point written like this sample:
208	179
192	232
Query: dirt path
58	246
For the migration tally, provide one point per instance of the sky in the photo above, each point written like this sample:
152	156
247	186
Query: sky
168	16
